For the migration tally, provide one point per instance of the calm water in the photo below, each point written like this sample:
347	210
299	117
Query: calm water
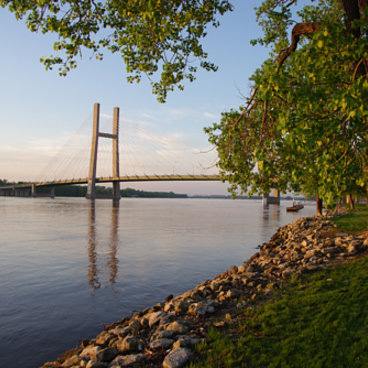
67	267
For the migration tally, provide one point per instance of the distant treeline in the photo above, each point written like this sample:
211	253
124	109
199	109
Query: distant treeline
130	192
81	191
4	182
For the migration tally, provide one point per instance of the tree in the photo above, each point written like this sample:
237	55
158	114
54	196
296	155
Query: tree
304	127
154	37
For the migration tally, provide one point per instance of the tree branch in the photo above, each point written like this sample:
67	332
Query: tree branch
298	30
247	107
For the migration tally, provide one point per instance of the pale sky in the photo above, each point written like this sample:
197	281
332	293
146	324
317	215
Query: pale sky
41	111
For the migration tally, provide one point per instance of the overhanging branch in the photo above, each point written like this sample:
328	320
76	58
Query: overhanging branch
298	30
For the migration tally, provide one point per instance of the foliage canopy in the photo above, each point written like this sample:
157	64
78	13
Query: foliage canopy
155	37
305	126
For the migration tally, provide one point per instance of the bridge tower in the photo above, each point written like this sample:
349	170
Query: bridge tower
91	188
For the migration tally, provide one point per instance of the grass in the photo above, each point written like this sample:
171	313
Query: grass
354	221
318	320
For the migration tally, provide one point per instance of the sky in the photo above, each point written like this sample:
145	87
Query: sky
41	111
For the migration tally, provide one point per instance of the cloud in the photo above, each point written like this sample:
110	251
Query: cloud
211	115
168	115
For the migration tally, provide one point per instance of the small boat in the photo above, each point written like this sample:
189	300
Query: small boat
295	207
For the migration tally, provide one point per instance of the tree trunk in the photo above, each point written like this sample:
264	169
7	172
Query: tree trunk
319	205
351	202
352	11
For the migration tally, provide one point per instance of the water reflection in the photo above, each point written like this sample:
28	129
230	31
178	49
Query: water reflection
270	212
93	271
113	262
275	210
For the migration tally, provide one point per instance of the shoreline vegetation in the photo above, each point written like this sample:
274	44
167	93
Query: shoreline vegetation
299	302
81	191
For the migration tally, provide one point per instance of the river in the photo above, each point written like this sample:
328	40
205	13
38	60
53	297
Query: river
68	266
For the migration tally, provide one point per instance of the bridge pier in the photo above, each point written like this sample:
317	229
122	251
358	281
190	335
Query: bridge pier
28	190
42	193
33	191
7	192
21	192
275	199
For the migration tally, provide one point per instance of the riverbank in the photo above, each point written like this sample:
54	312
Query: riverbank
165	335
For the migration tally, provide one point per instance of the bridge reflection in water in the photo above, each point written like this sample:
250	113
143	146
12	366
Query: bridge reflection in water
93	271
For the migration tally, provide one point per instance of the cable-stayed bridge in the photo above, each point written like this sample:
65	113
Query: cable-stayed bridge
149	157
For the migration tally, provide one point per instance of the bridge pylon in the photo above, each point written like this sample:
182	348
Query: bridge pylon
96	134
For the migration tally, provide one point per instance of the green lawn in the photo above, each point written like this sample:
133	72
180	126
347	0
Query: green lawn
318	320
354	221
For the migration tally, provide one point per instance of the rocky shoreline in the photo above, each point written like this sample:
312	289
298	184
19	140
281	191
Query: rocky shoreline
165	335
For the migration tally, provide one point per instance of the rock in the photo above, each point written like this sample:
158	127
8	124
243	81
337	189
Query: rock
154	317
356	243
95	364
286	273
232	293
104	338
304	243
169	297
163	334
106	355
169	317
352	249
135	326
214	285
330	250
126	360
177	358
177	327
168	307
129	344
339	242
311	253
241	269
196	295
185	342
219	324
73	360
113	341
121	331
161	344
181	307
201	308
90	352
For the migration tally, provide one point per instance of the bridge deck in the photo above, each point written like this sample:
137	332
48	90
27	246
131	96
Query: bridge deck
141	178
